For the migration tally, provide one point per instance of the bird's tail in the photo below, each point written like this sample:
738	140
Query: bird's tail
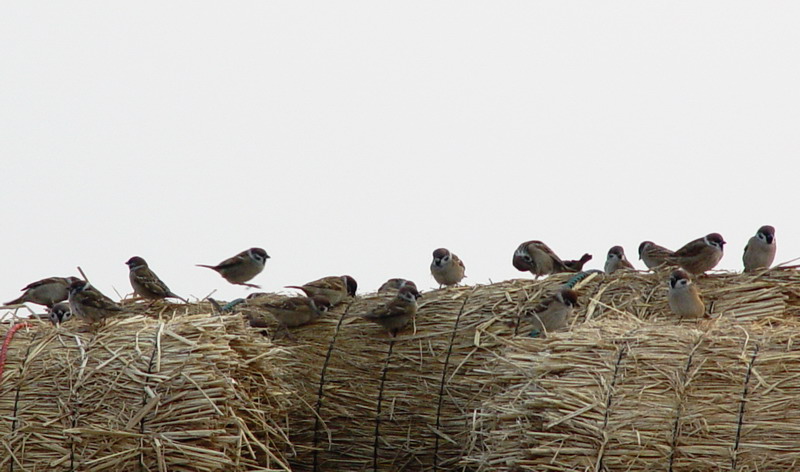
172	295
577	266
16	301
305	290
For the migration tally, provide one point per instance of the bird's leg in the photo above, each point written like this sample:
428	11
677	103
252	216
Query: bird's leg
250	285
287	334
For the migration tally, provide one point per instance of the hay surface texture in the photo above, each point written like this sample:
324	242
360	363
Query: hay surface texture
414	408
464	386
140	394
634	394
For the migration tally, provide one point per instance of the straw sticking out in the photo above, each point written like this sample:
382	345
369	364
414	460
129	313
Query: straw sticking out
141	393
628	388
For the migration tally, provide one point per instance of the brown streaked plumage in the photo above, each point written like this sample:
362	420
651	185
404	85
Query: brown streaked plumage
616	260
538	259
653	255
45	292
396	284
446	268
700	255
396	314
292	312
552	314
88	303
146	283
334	288
760	250
241	267
683	297
577	265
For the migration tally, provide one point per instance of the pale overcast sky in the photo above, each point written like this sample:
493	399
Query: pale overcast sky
357	137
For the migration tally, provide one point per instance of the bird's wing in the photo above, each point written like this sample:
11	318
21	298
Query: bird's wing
49	280
691	249
95	299
232	261
151	282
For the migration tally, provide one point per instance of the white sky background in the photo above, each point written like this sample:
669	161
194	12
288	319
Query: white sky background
357	137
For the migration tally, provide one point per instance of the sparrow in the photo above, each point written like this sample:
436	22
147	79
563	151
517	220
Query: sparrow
683	296
335	289
552	313
59	313
700	255
538	259
297	311
87	302
241	267
396	284
256	321
446	268
760	250
45	292
392	284
396	314
654	255
616	260
577	266
146	283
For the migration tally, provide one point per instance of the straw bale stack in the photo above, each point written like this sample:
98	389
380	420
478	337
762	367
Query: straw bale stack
186	392
414	409
464	388
637	390
366	409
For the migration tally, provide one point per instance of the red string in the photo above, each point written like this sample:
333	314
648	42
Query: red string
6	342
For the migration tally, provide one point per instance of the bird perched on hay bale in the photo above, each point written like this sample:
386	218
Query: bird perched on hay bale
395	284
146	283
760	250
700	255
538	259
552	313
616	260
292	312
396	314
684	297
334	289
446	268
59	313
88	303
45	292
241	267
653	255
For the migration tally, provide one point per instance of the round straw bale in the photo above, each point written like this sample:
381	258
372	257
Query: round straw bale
184	393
